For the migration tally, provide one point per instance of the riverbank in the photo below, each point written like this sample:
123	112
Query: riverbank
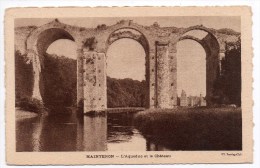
200	128
125	109
22	114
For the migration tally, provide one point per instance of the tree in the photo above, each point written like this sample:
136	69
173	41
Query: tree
228	85
126	93
23	77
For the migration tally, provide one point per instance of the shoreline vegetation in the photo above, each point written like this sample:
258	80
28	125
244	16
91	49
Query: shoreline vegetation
199	128
32	105
24	114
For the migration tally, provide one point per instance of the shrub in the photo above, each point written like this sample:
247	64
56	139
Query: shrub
33	105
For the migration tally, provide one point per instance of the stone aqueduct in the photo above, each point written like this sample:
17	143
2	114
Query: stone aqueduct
158	42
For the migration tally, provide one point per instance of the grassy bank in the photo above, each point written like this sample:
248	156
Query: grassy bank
201	128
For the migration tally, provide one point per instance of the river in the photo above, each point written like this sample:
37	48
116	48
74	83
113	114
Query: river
72	132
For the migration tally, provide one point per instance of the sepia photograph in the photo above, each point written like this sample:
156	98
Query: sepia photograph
128	84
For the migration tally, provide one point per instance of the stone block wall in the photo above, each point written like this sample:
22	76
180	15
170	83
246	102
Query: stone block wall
152	82
80	81
172	75
162	75
94	78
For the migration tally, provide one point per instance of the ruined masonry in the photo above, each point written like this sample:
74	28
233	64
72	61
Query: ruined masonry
158	42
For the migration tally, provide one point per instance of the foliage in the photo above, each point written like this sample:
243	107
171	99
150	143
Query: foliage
200	128
155	24
126	93
23	77
102	27
33	105
59	78
90	43
24	85
228	85
228	31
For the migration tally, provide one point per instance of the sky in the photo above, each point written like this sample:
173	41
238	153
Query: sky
216	22
126	57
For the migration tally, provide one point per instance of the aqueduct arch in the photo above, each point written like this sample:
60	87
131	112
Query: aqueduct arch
140	38
213	62
38	42
92	43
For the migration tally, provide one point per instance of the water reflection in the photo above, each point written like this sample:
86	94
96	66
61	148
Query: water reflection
122	135
92	133
46	133
28	134
151	146
72	132
112	132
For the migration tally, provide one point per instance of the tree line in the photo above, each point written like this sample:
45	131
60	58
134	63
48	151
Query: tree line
59	84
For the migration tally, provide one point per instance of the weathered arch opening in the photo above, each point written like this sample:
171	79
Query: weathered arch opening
211	47
47	37
129	33
59	68
191	72
63	47
127	50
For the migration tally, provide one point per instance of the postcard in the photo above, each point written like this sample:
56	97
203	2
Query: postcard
128	85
